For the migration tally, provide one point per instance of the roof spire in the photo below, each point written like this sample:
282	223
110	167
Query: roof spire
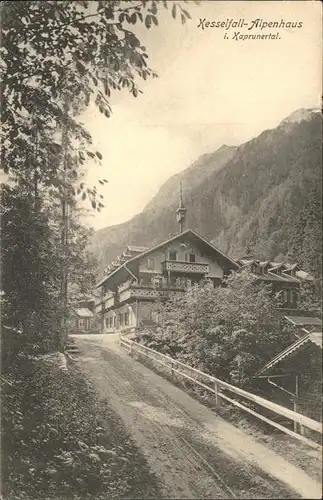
181	211
181	204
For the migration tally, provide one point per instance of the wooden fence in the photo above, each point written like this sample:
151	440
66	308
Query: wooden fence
217	387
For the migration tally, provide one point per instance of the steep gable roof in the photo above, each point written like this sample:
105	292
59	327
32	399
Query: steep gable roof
189	232
246	262
84	312
284	279
186	233
291	350
271	271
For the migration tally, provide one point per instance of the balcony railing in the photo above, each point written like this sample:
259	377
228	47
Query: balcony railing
148	292
159	289
185	267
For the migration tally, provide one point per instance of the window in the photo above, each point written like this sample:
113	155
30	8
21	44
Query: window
126	318
285	296
81	323
172	255
293	296
154	316
155	281
256	269
107	322
150	263
145	280
192	257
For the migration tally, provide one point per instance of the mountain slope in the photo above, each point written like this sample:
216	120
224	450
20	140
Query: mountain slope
263	196
158	218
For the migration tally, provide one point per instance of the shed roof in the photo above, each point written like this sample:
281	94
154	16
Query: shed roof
304	320
316	338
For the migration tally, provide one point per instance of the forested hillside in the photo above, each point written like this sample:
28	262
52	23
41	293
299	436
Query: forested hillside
262	197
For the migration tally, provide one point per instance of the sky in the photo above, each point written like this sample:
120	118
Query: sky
210	91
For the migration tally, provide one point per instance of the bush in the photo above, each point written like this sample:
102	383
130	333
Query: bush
228	332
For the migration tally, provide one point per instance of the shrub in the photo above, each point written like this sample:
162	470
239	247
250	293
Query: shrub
229	332
60	442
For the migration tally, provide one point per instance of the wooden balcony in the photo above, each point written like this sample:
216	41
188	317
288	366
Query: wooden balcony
180	266
142	292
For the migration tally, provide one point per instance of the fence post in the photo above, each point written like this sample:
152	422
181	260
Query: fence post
217	397
295	402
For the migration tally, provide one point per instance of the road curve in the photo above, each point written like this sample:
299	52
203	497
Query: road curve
193	451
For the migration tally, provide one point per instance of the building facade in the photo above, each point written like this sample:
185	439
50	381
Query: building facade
283	278
82	320
142	276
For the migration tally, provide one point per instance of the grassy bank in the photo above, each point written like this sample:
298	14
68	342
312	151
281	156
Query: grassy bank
60	442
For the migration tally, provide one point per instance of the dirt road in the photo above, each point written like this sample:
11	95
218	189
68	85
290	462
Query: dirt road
194	453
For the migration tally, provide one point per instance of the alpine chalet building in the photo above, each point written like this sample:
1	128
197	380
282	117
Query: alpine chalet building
141	276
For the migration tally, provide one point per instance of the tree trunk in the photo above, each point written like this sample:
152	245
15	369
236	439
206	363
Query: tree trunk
36	174
64	242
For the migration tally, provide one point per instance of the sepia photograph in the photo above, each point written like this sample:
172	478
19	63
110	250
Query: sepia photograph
161	249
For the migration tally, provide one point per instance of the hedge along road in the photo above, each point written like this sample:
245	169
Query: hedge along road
194	452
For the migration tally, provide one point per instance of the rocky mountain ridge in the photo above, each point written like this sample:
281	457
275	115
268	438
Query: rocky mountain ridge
255	197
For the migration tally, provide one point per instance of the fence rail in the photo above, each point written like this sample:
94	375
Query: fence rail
218	386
